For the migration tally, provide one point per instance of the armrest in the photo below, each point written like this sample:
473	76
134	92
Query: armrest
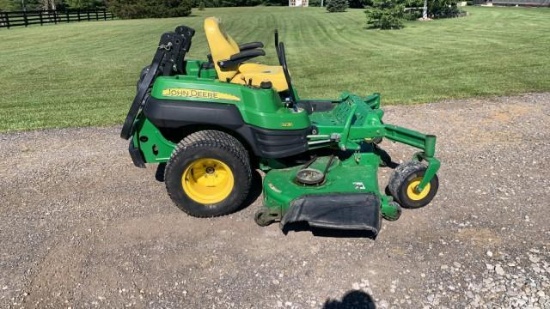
251	45
241	57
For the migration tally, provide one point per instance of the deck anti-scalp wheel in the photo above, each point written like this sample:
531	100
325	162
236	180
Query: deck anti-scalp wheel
263	217
403	183
208	174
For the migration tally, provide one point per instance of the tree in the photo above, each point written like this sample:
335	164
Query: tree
359	4
131	9
443	9
389	14
425	10
19	5
385	14
80	4
8	5
337	6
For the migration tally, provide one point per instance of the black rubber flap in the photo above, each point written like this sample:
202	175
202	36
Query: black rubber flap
357	212
136	155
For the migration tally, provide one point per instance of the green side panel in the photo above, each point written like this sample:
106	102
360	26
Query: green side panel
361	115
193	68
259	112
259	107
183	87
155	148
358	174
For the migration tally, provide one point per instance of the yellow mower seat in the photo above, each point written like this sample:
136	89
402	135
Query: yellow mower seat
222	47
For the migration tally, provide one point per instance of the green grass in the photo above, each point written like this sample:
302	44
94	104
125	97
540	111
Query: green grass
84	74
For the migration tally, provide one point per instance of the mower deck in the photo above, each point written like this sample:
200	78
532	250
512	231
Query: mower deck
346	195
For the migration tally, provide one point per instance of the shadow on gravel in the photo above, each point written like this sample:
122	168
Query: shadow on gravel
321	232
255	190
352	300
159	174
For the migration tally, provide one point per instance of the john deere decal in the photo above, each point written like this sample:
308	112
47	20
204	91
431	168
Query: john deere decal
199	94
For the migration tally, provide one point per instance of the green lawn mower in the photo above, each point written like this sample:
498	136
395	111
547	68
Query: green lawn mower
210	123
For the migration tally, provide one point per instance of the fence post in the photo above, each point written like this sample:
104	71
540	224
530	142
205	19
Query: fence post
41	19
55	17
88	15
67	16
78	12
25	18
6	19
104	14
96	15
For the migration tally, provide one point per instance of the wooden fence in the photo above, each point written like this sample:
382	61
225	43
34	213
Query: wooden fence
26	18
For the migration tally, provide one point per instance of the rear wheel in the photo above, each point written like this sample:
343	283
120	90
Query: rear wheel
208	174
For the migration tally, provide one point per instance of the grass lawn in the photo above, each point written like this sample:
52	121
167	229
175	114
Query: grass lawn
84	74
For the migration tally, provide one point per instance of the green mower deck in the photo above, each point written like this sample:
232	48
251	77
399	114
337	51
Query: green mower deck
328	193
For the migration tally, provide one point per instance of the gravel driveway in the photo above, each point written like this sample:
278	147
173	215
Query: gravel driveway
81	227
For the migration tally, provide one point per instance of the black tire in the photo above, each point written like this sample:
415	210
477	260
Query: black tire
404	177
264	217
215	154
261	218
397	214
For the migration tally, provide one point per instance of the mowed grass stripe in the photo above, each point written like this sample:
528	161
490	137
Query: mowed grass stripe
83	74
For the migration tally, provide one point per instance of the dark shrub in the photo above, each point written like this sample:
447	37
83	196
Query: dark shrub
385	14
337	6
315	3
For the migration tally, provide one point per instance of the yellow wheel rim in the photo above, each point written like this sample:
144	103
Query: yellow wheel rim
411	190
207	181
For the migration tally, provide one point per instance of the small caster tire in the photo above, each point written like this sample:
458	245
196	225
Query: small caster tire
395	216
263	218
403	183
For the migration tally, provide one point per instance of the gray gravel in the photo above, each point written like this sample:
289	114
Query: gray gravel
80	227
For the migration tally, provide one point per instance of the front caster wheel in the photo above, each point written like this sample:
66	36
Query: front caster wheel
208	174
264	218
403	184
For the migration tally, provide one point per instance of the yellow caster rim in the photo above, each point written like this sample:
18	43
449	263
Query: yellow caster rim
208	181
411	190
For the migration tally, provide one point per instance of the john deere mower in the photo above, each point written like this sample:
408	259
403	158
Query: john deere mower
211	122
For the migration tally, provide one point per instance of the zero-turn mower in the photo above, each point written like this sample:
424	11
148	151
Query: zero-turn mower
212	122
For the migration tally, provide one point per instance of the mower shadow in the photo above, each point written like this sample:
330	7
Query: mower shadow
322	232
352	300
159	174
255	190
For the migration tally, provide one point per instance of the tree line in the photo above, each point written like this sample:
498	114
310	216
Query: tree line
21	5
150	8
382	14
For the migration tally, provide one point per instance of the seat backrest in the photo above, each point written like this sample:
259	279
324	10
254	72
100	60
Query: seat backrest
222	47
